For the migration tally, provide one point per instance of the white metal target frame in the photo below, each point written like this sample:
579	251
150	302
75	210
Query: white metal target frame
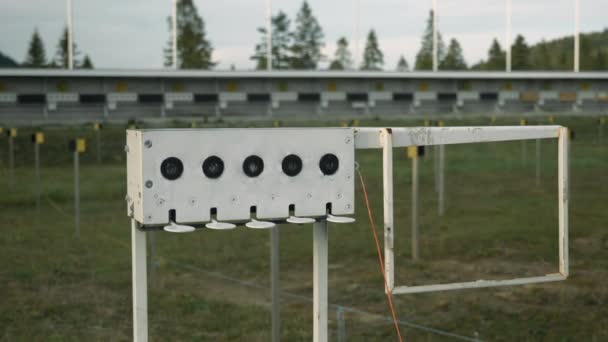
141	170
389	138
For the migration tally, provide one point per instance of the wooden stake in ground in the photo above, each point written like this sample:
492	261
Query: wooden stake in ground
12	134
413	152
77	147
97	127
37	140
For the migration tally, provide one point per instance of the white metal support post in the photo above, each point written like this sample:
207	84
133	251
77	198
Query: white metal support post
577	37
415	230
174	32
140	283
269	35
509	16
320	273
435	42
441	179
275	283
386	141
563	197
357	34
70	36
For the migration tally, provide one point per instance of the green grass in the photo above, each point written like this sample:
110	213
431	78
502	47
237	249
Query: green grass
498	225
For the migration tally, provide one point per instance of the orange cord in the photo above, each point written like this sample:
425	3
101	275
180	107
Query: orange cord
389	296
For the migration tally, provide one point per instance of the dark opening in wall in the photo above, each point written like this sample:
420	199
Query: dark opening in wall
446	97
206	98
488	96
31	99
258	97
403	97
357	97
92	98
309	97
150	98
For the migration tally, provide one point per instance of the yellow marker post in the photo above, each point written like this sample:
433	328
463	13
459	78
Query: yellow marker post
77	147
493	120
552	119
277	123
37	140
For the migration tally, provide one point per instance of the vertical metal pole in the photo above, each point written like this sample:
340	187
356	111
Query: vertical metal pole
275	284
524	153
563	197
357	33
98	145
509	17
70	36
436	166
37	175
538	162
441	201
415	254
269	35
341	324
320	273
139	283
577	38
387	175
11	162
77	193
174	32
435	34
152	258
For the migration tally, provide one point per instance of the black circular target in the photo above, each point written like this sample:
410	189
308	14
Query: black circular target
213	167
292	165
329	164
253	166
172	168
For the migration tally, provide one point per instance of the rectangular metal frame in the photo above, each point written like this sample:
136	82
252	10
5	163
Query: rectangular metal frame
387	138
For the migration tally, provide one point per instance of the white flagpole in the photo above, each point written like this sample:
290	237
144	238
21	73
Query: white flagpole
577	38
174	32
357	33
435	42
269	34
508	36
70	38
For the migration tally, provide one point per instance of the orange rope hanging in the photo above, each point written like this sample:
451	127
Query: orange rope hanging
389	295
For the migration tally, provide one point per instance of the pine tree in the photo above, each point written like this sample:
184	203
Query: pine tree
601	61
542	59
87	63
194	50
454	60
402	64
520	54
61	56
373	59
36	56
281	40
424	58
343	59
308	40
496	57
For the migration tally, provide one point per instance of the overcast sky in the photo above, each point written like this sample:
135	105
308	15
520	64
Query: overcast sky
133	33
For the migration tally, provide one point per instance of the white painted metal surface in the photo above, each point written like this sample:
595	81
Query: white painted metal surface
139	283
435	38
62	97
121	97
174	33
508	39
70	30
577	36
193	195
320	288
8	97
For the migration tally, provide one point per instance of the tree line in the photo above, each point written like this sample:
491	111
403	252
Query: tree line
36	54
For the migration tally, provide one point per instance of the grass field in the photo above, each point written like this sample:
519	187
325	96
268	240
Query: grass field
499	224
